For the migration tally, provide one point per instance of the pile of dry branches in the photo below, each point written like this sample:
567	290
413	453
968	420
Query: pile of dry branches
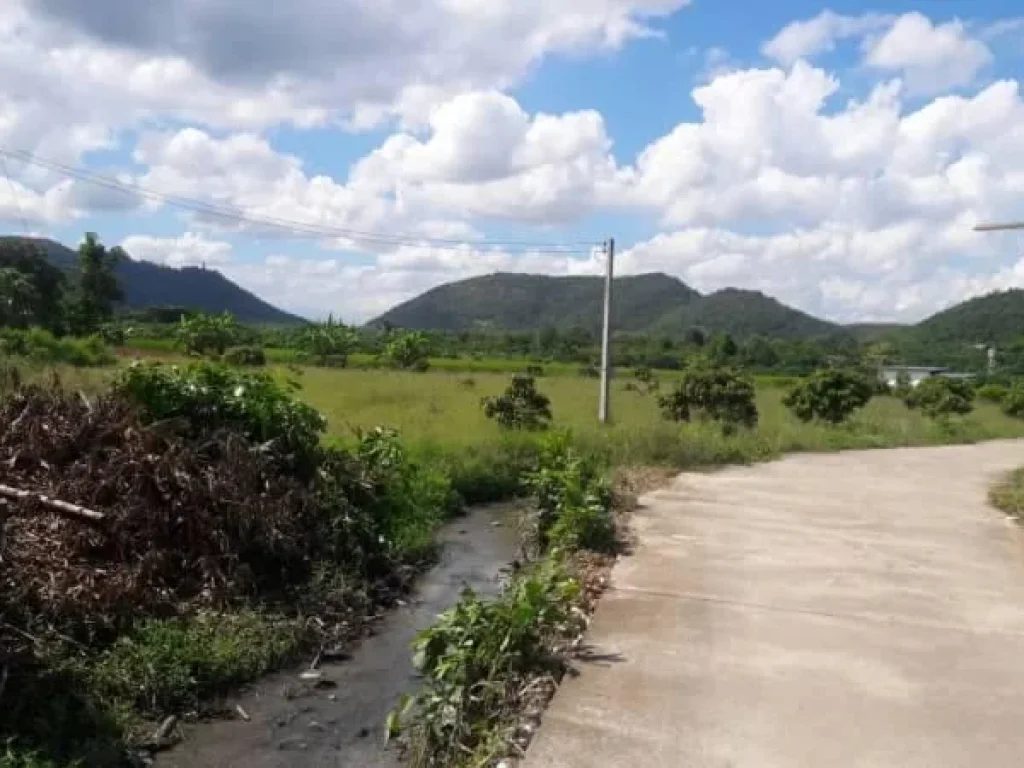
106	520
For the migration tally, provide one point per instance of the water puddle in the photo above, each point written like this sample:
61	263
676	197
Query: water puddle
303	726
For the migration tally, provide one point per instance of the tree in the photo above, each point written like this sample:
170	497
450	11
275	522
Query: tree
201	334
18	298
939	397
715	394
329	342
520	407
408	351
831	396
44	307
98	288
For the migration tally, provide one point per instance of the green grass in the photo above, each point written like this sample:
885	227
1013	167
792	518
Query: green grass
441	412
1008	494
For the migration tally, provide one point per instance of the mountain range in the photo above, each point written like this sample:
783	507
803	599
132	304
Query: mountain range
661	304
644	304
148	285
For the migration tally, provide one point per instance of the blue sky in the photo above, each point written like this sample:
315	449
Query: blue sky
834	156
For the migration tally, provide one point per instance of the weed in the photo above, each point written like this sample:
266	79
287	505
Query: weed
179	665
1008	494
476	661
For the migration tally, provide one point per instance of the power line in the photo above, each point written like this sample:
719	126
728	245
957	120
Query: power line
294	227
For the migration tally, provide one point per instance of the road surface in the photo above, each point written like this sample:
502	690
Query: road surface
857	609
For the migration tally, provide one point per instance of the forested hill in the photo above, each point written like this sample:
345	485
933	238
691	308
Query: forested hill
993	319
151	285
653	303
515	302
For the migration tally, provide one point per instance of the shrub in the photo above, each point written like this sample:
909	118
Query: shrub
520	407
1012	401
992	393
573	500
939	397
329	343
537	371
211	395
247	355
408	351
202	334
410	499
41	346
476	661
716	394
831	396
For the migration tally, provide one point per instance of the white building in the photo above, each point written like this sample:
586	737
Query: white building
893	375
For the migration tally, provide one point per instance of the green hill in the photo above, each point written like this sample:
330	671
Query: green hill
992	319
151	285
742	314
653	303
526	302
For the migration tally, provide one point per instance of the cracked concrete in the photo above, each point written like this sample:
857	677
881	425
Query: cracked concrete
856	609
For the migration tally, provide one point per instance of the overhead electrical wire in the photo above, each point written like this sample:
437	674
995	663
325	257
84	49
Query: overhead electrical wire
296	228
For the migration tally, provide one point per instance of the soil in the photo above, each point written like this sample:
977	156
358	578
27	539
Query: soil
338	719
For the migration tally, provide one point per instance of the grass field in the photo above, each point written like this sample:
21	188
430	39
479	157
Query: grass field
439	415
442	409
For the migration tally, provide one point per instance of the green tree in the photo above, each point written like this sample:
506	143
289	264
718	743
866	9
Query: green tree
45	305
831	396
202	334
331	341
712	393
18	298
98	289
939	397
408	351
520	407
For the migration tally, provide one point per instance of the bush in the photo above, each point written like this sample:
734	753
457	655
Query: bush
247	355
716	394
211	395
409	352
520	407
537	371
41	346
939	397
476	661
202	334
573	501
831	396
1013	402
992	393
410	499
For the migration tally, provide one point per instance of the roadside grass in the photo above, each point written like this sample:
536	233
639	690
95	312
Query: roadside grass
1008	494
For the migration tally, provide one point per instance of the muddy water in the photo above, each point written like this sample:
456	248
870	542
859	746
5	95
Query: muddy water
299	726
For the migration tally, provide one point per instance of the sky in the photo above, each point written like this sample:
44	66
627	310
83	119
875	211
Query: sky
836	157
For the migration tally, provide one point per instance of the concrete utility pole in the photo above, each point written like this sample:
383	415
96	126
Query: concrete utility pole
606	334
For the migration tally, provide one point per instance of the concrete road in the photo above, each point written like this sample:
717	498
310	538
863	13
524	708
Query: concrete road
858	609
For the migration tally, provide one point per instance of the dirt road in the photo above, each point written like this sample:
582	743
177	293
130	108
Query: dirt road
859	609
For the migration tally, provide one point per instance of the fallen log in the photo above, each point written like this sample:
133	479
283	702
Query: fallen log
62	507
